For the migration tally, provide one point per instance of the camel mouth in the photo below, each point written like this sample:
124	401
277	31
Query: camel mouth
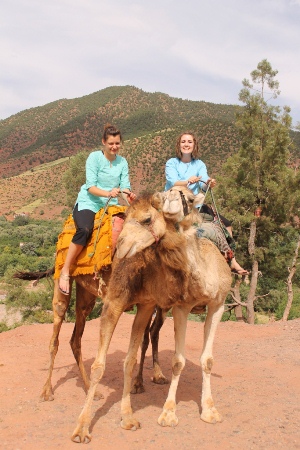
124	252
170	215
171	208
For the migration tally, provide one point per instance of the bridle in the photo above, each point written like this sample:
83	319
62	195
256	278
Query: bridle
151	229
150	226
185	207
184	204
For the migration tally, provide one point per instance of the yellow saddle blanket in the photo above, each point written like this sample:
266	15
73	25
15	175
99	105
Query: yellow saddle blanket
98	252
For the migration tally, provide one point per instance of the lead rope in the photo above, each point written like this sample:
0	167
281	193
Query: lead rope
101	218
206	192
214	203
99	226
124	197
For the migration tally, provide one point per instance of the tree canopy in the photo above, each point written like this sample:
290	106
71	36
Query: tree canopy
258	186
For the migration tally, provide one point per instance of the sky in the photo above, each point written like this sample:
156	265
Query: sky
190	49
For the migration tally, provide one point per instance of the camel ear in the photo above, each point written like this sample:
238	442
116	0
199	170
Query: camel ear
157	200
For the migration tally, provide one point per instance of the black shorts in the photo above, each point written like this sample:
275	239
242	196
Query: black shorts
84	222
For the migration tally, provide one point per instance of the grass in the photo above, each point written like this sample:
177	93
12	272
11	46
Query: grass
44	166
30	207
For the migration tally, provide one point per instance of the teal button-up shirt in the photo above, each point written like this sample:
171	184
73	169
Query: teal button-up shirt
105	175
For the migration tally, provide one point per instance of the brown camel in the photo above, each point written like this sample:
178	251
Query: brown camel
160	261
87	290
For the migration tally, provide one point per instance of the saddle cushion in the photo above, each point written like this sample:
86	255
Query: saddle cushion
100	248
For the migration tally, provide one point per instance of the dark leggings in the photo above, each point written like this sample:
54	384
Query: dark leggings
84	221
208	210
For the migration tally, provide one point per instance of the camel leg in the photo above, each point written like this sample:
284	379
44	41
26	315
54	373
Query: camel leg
109	319
209	413
153	330
168	416
138	384
85	303
60	305
143	316
158	376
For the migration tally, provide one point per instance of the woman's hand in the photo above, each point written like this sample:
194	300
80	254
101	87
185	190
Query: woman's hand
130	196
193	179
211	182
114	192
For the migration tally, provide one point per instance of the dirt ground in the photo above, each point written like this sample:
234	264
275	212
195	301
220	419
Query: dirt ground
255	385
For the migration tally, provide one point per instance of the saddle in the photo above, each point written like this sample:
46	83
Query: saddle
101	246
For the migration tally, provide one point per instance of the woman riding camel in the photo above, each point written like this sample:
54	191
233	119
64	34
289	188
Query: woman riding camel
106	176
189	171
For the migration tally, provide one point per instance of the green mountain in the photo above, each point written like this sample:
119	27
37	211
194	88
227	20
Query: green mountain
150	123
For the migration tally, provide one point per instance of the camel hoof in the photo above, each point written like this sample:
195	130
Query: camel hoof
211	416
46	396
98	396
81	436
77	439
137	389
161	379
130	423
168	419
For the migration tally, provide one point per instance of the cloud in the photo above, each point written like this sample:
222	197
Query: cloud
197	50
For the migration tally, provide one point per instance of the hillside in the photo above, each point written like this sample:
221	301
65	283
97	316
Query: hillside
61	128
150	123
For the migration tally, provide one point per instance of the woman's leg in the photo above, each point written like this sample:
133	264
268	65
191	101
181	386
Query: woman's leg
73	252
84	221
235	267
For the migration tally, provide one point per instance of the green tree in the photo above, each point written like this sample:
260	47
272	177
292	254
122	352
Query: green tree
257	185
74	177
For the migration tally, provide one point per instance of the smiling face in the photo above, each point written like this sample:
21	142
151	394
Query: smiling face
187	144
186	147
111	146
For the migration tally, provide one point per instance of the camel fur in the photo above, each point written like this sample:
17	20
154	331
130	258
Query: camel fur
160	261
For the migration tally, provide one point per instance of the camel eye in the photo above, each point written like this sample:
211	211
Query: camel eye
146	221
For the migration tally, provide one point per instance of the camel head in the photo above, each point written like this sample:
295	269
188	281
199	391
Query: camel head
144	225
179	202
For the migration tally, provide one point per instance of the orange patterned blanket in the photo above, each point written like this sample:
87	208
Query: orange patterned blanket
98	252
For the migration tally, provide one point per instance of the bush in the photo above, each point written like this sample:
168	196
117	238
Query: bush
3	327
20	221
29	248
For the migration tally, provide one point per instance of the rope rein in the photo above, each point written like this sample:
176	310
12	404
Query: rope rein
214	203
101	219
99	226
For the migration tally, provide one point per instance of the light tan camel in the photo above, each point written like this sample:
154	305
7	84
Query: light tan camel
160	261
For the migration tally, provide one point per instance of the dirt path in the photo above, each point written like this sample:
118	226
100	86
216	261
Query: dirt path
255	383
